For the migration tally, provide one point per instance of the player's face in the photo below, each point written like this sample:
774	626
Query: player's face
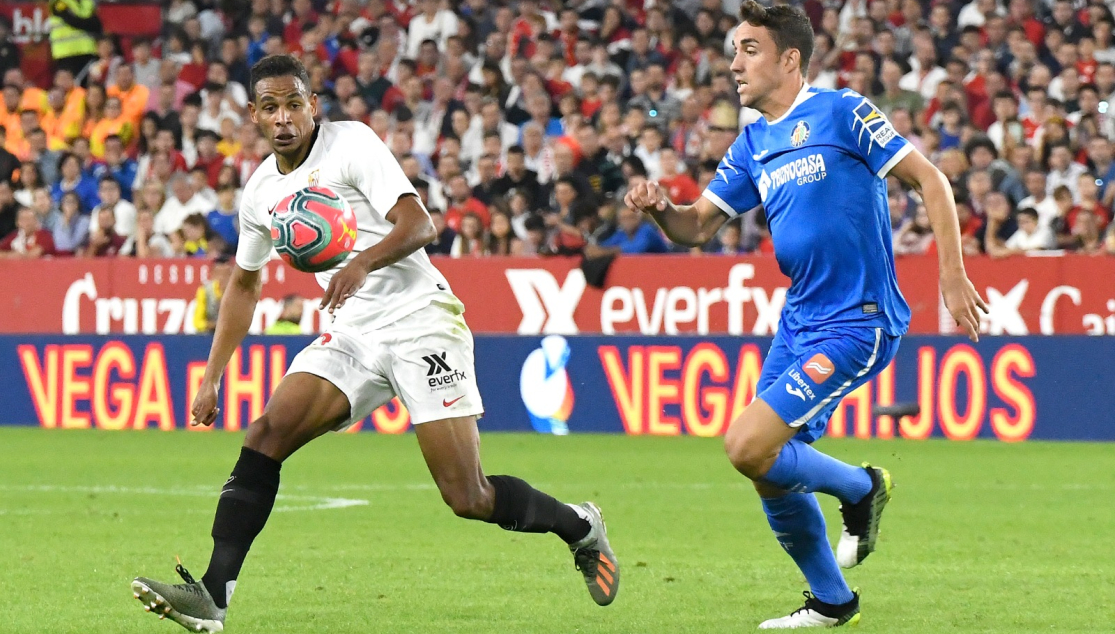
757	68
284	111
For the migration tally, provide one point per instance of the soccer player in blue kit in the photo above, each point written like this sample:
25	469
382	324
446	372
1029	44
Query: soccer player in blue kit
816	162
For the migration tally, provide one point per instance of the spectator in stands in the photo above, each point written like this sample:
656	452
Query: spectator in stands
224	220
915	236
501	237
183	203
117	164
29	240
145	242
443	244
519	176
72	179
45	209
1063	170
9	163
1000	225
9	208
676	180
9	52
195	236
71	229
1086	234
730	239
470	238
105	241
462	203
1038	198
635	235
289	321
124	211
1031	234
209	294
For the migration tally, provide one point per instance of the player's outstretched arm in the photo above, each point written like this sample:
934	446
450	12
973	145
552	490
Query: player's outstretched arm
413	230
688	225
238	306
961	298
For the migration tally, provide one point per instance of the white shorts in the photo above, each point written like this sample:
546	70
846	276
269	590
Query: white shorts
425	358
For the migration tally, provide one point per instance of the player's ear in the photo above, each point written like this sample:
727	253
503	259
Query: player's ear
252	111
791	60
313	105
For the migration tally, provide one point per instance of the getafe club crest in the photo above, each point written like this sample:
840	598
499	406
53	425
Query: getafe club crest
800	134
315	177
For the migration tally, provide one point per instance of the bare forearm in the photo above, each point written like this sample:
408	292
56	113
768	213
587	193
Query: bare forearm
681	224
939	204
395	246
233	321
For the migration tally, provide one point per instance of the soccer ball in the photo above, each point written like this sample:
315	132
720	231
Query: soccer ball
313	229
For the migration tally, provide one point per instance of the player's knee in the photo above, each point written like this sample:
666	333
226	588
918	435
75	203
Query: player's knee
749	456
268	436
469	502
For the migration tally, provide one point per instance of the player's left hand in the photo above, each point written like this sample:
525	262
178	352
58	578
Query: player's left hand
344	285
964	303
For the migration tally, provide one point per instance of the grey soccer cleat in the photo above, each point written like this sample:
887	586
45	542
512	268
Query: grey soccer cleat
187	604
861	520
594	558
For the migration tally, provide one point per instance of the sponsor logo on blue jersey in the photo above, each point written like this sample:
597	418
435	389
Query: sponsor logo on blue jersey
805	170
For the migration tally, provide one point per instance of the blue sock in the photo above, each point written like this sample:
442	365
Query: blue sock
798	524
803	469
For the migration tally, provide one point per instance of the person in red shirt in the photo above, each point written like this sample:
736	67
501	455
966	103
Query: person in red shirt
683	189
104	241
301	14
29	240
462	202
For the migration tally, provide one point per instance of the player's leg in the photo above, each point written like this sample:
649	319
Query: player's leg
324	389
451	448
303	407
431	361
770	444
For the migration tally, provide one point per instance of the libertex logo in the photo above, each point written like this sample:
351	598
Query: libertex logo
547	308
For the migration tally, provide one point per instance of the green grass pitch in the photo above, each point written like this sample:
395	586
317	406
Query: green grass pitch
980	537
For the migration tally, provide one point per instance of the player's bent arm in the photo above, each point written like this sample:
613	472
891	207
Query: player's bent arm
689	225
413	230
238	306
916	170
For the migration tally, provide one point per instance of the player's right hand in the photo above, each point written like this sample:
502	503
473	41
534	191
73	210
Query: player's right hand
646	196
205	408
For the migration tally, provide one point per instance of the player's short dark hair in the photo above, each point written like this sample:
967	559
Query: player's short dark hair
1028	211
788	26
277	66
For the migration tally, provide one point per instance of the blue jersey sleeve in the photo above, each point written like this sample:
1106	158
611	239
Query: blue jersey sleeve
732	189
870	133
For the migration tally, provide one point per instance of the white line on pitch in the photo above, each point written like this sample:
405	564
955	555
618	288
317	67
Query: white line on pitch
309	502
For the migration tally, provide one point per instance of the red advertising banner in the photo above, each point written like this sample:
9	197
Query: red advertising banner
650	295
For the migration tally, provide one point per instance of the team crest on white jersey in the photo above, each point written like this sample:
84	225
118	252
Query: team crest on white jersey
315	178
800	134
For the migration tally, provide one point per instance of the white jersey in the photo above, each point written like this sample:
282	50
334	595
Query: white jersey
348	158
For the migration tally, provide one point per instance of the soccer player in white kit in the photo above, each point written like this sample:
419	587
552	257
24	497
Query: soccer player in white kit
397	330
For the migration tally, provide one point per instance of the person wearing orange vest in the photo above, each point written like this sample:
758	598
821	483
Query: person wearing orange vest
133	97
9	107
61	123
75	95
114	122
31	96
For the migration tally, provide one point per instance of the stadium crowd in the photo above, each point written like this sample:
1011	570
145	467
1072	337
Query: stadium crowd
521	124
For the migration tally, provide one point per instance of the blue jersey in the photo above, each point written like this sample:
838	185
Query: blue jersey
819	172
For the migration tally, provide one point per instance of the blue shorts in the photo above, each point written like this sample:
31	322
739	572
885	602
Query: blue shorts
805	376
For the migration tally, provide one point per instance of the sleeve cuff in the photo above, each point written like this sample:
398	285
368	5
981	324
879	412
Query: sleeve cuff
898	156
719	202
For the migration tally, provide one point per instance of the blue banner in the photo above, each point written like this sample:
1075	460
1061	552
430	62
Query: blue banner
1004	388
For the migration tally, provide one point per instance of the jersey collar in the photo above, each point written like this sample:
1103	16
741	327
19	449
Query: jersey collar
803	94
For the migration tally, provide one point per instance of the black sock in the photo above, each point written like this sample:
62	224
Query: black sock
520	507
246	501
